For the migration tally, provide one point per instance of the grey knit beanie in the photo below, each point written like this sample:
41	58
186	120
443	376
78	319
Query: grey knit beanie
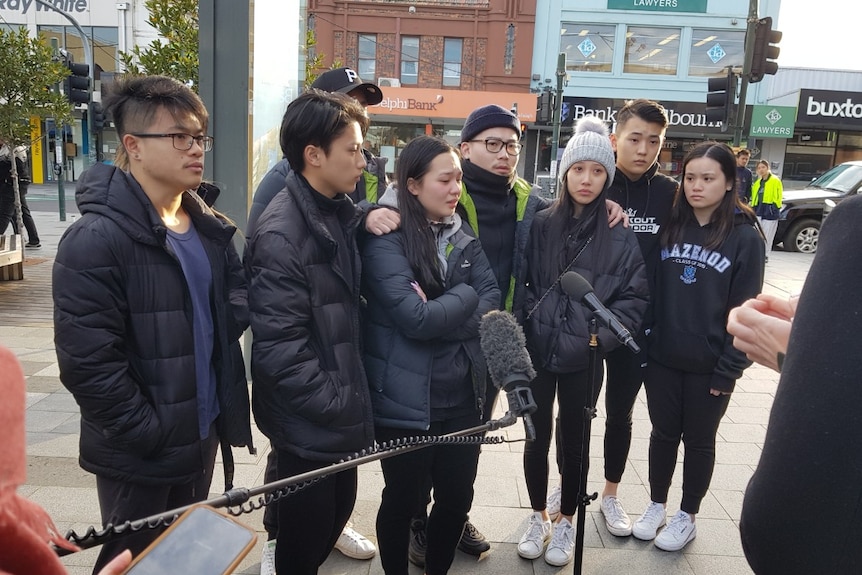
491	116
589	142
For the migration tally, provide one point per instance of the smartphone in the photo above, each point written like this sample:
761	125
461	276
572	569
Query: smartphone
202	541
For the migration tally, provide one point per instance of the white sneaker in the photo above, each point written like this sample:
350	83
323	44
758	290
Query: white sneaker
648	524
532	542
354	545
616	518
562	546
267	558
552	505
679	531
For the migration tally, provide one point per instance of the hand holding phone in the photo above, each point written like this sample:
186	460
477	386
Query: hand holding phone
201	541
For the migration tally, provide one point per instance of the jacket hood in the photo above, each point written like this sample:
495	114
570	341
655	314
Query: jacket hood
620	179
115	194
390	200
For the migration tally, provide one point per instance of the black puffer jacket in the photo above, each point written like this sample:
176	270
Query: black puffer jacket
310	393
403	333
557	331
124	335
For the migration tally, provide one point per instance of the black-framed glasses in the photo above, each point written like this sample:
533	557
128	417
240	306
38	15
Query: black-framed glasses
494	145
182	142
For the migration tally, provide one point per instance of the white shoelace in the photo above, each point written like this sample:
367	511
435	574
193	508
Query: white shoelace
678	523
615	511
536	530
561	537
653	513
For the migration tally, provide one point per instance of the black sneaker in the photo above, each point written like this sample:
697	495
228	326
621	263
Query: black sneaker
32	245
418	542
472	542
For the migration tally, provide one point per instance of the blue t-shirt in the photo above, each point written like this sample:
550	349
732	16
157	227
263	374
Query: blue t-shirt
196	267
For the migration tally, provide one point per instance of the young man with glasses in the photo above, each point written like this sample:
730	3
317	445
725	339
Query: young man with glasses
149	304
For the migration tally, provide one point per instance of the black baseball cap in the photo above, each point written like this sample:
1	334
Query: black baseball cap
346	80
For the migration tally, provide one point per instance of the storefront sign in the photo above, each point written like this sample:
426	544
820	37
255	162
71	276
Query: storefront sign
659	5
828	109
684	117
86	12
451	104
772	121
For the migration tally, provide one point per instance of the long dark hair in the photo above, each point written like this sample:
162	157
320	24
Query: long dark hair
419	244
722	219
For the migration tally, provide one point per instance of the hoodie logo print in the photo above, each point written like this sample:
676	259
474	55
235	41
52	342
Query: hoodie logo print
688	274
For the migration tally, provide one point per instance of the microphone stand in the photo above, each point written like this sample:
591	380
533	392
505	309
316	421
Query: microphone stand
589	414
240	495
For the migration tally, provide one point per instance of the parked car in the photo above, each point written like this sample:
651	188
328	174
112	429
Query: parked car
803	210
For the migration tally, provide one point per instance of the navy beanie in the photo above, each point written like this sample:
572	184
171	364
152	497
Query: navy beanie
491	116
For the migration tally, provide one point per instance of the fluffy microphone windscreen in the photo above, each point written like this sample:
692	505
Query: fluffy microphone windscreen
575	285
504	346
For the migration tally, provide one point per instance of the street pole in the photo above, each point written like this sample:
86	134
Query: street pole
88	56
558	112
750	31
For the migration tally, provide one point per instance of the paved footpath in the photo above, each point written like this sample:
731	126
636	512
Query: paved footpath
501	505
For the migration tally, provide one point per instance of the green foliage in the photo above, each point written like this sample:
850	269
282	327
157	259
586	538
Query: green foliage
176	56
312	63
28	75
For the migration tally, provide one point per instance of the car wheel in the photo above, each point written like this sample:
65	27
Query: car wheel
802	237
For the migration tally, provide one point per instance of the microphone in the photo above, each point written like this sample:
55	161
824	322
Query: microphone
579	288
504	347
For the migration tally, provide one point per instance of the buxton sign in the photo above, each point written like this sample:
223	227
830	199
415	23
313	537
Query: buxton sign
827	109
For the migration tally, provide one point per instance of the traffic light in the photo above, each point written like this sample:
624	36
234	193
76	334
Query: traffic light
545	111
765	50
98	116
720	97
76	86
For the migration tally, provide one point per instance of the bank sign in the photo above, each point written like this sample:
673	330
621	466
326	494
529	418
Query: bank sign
684	117
827	109
772	121
698	6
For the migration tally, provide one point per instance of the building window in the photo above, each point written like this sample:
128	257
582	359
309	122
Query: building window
409	60
651	50
452	61
588	47
367	56
104	41
714	50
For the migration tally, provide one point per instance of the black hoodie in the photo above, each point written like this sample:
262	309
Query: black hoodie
647	201
695	290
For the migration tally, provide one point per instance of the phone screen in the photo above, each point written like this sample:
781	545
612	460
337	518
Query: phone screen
204	542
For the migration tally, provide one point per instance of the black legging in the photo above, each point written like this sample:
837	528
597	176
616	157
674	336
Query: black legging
452	471
570	390
624	378
681	408
310	521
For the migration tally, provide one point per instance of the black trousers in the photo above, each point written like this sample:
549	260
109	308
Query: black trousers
452	470
310	521
625	375
7	213
681	408
270	512
121	501
570	390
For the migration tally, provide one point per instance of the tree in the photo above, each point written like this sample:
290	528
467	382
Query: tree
29	74
177	56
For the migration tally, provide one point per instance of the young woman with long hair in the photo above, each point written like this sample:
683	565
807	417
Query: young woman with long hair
572	235
711	261
426	285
